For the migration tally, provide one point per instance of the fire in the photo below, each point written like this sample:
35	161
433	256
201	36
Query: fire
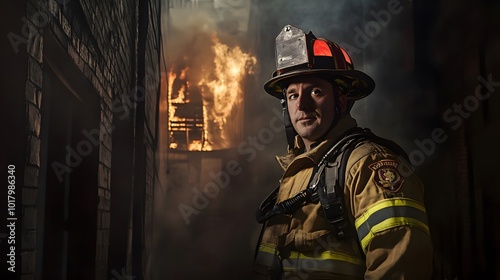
211	122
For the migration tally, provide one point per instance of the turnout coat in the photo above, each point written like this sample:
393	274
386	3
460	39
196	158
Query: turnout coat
384	202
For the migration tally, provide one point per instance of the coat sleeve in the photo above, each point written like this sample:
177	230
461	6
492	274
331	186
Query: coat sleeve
385	198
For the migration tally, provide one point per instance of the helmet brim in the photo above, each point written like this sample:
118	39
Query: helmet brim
362	84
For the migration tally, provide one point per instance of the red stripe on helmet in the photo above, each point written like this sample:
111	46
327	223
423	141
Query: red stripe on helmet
321	48
346	55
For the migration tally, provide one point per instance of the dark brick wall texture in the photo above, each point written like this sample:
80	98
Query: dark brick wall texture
99	39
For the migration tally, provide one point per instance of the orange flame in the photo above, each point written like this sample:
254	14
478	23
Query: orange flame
222	97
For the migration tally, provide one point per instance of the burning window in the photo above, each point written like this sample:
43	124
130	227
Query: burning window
205	99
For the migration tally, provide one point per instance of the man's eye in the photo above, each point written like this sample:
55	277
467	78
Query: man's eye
315	91
292	96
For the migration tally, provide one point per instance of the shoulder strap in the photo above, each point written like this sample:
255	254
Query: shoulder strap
329	191
269	208
331	188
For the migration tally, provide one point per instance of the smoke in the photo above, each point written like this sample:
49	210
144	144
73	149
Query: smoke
219	241
198	223
379	37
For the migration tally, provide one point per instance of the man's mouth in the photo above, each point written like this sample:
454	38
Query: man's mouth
306	118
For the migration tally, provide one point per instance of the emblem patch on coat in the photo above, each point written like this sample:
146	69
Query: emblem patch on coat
387	175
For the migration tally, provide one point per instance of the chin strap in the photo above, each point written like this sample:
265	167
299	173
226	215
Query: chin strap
289	130
338	110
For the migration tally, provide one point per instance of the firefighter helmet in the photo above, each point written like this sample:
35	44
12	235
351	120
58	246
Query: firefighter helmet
298	54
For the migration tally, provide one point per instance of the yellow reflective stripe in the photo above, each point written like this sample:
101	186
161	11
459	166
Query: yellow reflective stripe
390	213
388	203
391	223
325	255
313	264
266	258
267	248
328	255
309	263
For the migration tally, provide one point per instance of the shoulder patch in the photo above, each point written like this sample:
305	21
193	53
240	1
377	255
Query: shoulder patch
386	175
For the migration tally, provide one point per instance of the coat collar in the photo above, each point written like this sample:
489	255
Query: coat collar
345	123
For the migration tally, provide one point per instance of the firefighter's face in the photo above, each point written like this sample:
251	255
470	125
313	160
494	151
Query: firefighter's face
311	105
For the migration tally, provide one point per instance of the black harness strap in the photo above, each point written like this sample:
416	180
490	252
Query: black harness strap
269	208
331	192
327	181
327	184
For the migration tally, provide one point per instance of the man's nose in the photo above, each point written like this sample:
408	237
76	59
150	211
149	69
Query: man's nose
304	102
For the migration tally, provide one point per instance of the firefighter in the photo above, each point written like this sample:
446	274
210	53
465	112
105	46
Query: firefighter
348	205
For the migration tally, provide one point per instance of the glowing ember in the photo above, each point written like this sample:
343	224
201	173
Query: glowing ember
214	121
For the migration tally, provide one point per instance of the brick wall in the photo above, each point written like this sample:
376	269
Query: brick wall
99	37
33	95
152	81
